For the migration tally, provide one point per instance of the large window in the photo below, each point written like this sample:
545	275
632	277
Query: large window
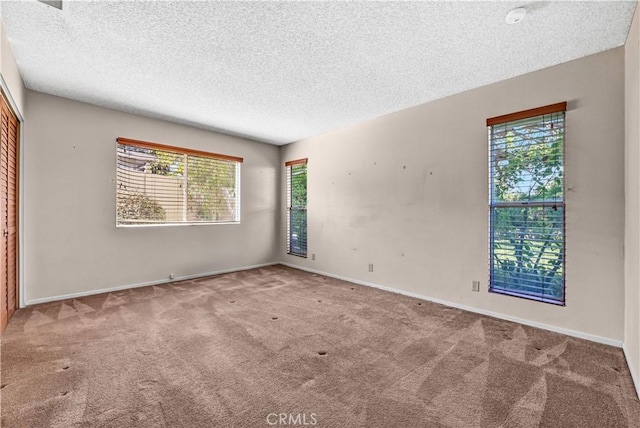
527	210
297	207
159	184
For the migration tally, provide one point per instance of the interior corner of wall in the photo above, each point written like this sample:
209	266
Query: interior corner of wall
635	374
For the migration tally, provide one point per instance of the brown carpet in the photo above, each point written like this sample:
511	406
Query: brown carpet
238	350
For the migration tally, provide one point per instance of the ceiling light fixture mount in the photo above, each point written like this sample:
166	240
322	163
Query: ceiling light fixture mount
53	3
516	15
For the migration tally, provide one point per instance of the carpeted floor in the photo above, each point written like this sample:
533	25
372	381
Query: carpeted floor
281	347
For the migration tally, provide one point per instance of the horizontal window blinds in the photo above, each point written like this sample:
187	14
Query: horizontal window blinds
527	209
297	207
158	184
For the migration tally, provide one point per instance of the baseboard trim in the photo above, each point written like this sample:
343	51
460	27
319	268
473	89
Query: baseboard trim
142	284
632	369
568	332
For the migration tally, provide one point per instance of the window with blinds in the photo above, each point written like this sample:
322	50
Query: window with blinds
297	207
527	208
158	184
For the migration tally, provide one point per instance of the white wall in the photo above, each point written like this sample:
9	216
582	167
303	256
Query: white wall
632	200
408	192
71	242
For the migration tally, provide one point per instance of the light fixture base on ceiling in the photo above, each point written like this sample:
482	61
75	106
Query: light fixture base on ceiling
53	3
516	15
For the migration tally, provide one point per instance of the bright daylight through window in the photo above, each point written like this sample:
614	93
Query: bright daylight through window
297	207
159	184
527	207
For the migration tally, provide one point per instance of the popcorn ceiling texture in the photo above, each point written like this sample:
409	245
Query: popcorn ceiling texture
280	72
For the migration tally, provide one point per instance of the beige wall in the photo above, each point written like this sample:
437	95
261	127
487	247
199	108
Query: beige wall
10	74
408	192
632	200
71	242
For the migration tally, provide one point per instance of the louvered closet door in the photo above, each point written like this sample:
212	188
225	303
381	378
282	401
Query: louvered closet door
8	213
4	197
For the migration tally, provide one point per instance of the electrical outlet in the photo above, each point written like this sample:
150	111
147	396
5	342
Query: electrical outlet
313	256
171	276
475	285
370	267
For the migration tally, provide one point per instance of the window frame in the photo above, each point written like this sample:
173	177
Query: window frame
289	208
515	117
122	141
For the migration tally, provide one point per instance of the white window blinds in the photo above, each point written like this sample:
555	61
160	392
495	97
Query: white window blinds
158	184
527	207
297	207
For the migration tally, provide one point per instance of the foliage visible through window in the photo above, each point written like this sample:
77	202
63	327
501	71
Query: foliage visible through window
164	185
297	207
527	245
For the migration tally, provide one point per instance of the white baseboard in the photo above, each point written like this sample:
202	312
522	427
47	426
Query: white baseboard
568	332
632	369
141	284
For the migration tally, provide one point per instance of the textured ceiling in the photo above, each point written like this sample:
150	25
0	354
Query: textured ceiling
283	71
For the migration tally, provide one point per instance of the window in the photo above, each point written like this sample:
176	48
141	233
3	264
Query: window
297	207
527	220
159	184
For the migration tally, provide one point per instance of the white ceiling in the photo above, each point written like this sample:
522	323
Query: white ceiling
283	71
